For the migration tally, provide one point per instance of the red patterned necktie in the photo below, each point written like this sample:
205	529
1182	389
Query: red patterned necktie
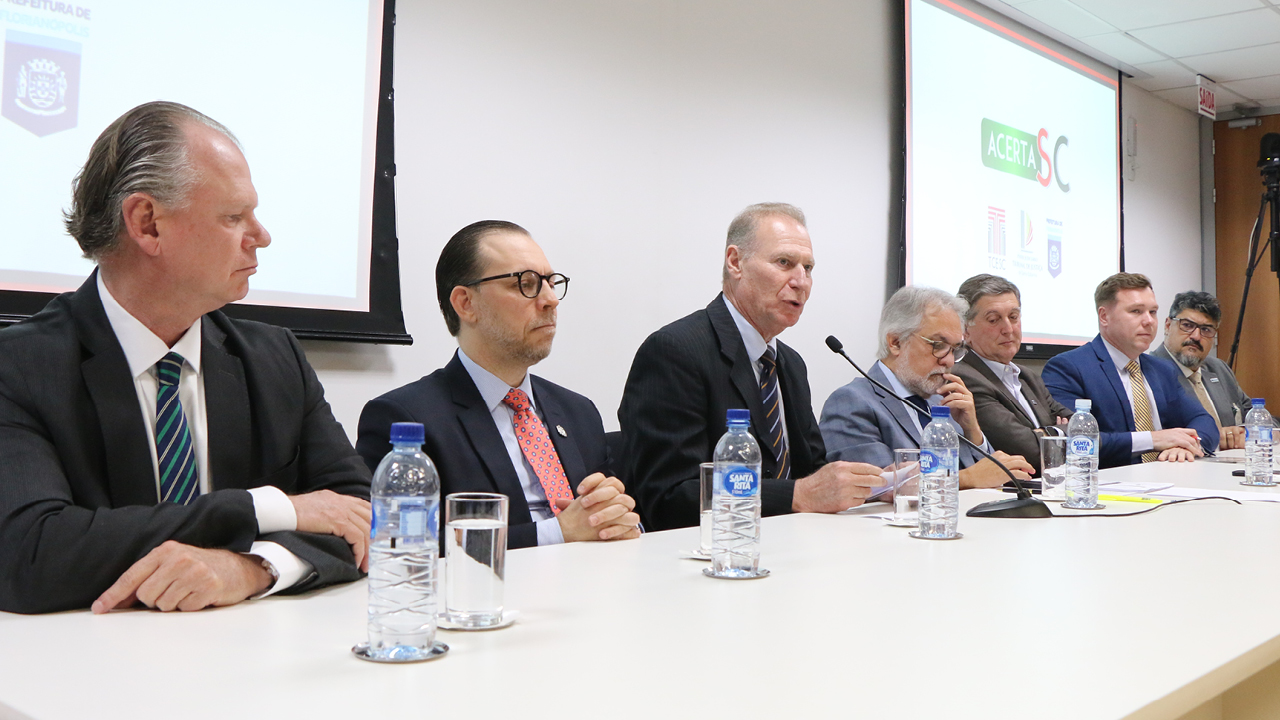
537	448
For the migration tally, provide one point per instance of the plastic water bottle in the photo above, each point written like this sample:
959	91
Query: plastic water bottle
735	535
402	555
939	477
1257	445
1082	458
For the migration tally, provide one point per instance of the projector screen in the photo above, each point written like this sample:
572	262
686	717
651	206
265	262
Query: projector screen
1012	166
304	87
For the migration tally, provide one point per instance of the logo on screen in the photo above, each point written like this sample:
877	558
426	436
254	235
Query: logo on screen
995	230
1025	227
41	82
1055	246
1019	153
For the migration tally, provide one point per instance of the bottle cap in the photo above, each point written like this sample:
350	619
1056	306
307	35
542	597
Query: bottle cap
738	417
1259	402
939	411
1084	404
407	432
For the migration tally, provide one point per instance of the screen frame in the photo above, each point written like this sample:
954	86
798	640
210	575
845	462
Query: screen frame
1027	350
383	322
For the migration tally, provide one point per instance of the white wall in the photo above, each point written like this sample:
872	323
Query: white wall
1162	202
625	135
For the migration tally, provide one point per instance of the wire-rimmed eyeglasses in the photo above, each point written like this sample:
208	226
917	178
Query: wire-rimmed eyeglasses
941	348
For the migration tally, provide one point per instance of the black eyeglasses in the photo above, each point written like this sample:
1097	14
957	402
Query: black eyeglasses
531	283
1188	327
942	348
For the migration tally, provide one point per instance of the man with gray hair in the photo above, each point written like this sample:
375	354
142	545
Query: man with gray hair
156	451
688	374
1189	334
921	338
1011	400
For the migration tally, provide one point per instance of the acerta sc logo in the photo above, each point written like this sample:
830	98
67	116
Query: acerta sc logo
1019	153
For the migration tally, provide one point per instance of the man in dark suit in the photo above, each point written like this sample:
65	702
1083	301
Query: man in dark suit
688	374
1143	413
1189	332
156	451
487	419
1011	399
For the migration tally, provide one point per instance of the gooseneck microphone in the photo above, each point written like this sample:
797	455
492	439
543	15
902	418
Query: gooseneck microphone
1022	506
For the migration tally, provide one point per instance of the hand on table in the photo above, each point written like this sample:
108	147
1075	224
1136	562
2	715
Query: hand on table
327	513
986	474
1232	438
183	577
1177	455
836	486
602	511
1177	437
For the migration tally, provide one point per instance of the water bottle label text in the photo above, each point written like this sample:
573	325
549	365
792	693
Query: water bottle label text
741	482
1258	434
1081	445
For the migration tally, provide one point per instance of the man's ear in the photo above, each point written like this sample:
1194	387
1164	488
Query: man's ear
463	304
1103	316
139	210
733	262
895	344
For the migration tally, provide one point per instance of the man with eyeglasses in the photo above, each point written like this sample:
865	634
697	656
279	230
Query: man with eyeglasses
1143	413
921	338
490	425
1189	333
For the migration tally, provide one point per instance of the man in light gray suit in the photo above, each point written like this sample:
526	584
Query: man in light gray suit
1189	333
921	337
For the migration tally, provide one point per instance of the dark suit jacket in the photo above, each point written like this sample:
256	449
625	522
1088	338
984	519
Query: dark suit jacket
683	380
1230	402
1088	372
78	501
1001	416
464	444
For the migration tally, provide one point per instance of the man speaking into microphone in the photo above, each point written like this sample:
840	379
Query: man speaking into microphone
921	338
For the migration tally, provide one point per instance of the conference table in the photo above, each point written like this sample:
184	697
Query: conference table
1168	614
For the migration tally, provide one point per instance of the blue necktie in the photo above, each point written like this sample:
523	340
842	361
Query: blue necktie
179	481
771	397
922	407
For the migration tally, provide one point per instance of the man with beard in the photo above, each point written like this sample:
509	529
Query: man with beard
921	338
490	425
1143	414
1189	332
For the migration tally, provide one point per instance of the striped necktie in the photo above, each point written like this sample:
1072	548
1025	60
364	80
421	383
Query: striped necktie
1197	383
179	480
1141	407
771	396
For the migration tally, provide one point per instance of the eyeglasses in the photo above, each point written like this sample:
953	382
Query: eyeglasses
1188	327
942	348
531	283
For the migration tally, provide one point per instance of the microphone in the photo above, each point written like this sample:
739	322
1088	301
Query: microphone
1022	506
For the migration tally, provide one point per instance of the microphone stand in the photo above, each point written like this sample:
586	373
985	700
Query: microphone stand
1021	506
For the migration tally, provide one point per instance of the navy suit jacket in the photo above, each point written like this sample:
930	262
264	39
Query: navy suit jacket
1088	372
464	444
78	501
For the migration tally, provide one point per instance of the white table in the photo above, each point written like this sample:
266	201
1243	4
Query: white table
1142	617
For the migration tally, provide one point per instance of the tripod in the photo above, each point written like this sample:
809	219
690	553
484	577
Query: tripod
1269	164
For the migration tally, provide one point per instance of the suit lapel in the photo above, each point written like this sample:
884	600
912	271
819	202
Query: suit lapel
229	423
741	372
555	418
1222	400
895	408
130	472
1112	374
1006	397
478	425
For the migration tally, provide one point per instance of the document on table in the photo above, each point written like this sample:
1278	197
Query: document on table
1132	488
1241	495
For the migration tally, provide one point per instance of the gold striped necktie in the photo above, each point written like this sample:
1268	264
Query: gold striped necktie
1141	407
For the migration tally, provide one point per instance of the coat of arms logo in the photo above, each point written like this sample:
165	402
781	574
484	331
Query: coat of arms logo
41	90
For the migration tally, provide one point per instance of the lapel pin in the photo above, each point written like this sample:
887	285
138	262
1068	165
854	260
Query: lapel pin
560	429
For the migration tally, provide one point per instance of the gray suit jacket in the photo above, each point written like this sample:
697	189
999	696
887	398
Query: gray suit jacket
1003	421
860	423
1228	399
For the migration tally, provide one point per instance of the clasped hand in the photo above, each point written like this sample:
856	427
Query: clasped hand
602	511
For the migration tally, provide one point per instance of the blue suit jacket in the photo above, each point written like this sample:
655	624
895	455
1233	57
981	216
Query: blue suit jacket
861	423
1088	372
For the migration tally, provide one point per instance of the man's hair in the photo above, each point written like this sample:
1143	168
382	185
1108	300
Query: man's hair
1105	295
904	313
460	264
143	151
980	286
742	231
1201	302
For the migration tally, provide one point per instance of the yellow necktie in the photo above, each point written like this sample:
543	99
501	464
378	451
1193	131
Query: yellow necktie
1141	408
1202	394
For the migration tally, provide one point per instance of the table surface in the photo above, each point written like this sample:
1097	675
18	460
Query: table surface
1070	618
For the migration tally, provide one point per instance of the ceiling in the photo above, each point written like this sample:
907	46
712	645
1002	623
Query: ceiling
1164	44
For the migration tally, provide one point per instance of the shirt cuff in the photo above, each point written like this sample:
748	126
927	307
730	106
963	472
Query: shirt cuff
290	568
273	509
1142	442
549	532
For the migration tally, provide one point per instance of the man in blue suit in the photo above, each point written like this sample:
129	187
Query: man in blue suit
490	425
1142	411
921	338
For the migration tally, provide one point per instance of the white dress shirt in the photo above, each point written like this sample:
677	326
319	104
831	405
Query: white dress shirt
492	390
1142	441
142	350
1008	374
755	345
